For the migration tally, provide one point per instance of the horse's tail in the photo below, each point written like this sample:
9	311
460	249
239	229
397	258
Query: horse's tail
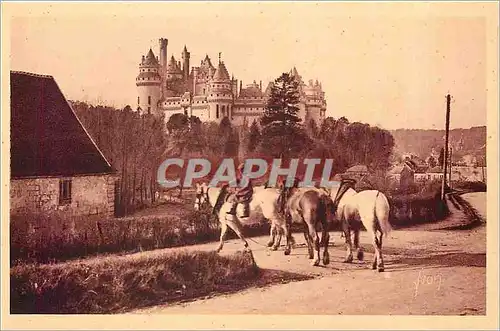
381	210
325	207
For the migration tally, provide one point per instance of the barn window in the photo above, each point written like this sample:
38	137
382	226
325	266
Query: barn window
217	111
149	99
65	191
138	100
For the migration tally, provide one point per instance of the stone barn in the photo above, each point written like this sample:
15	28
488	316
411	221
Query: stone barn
55	164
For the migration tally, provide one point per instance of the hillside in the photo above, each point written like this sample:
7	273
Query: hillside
421	142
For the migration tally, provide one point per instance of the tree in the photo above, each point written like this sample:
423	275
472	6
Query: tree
253	137
282	134
431	161
177	122
282	106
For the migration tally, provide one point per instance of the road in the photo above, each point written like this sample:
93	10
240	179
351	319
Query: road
427	273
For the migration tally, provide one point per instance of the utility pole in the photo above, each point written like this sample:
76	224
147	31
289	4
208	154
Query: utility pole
451	164
445	161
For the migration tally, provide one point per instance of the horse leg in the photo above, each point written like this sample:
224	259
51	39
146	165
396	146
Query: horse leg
325	239
223	231
272	235
380	260
236	228
359	250
277	241
313	235
287	233
377	258
347	234
310	249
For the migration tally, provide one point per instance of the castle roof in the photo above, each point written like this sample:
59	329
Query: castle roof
172	66
146	75
269	87
47	139
251	91
150	59
294	72
221	74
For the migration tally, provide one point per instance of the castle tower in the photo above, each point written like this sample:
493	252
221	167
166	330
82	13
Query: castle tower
148	84
163	53
185	63
220	97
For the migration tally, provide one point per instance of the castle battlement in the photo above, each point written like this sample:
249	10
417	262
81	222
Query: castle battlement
166	87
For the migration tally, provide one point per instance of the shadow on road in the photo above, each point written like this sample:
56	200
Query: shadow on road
447	259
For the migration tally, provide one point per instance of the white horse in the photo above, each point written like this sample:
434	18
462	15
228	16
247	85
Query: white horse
264	203
370	208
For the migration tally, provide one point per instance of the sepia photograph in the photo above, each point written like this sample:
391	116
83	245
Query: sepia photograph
254	164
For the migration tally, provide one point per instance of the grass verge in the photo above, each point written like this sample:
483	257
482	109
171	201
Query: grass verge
119	285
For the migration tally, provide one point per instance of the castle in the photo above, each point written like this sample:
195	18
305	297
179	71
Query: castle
167	87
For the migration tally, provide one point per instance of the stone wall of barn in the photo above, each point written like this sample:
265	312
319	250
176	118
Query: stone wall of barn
90	195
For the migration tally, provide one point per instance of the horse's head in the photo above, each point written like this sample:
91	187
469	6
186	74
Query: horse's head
201	195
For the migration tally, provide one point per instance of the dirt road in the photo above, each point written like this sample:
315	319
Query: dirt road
427	272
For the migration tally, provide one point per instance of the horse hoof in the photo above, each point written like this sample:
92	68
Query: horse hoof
315	263
361	255
381	269
274	248
348	259
287	252
269	244
374	266
326	261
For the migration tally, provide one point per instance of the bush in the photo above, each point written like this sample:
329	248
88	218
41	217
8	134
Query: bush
120	284
410	209
470	186
53	237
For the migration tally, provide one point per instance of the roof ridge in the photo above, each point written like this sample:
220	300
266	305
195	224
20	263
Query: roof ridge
30	74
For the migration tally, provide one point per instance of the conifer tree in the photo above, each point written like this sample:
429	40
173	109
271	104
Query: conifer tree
282	133
253	137
283	104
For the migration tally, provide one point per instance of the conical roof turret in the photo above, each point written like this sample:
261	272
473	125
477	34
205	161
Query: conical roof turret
221	73
150	59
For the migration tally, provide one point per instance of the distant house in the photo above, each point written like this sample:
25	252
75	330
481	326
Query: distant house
402	174
356	172
435	173
55	165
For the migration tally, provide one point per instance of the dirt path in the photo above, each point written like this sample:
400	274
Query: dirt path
427	272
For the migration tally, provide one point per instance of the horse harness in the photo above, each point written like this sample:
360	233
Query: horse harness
344	186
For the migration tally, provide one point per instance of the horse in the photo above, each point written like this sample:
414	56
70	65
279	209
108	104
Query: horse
264	203
311	206
369	208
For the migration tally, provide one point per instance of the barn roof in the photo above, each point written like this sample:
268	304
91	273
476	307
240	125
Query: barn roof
435	170
47	138
358	168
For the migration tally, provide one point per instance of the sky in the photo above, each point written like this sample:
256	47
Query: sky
376	66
